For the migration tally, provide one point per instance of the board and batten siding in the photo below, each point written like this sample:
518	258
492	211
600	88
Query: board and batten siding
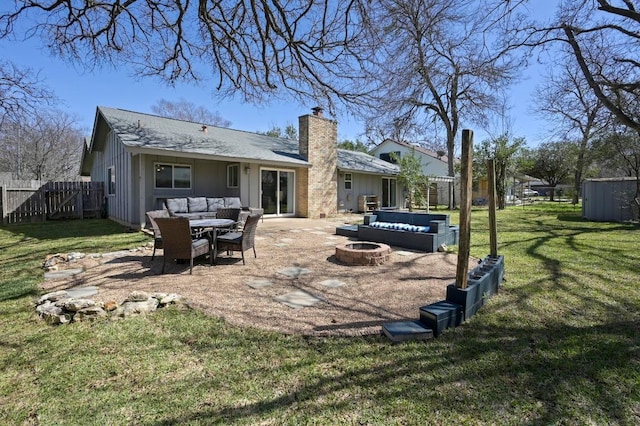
120	204
362	184
608	199
208	179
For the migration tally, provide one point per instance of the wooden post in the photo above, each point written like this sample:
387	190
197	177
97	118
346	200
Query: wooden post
466	175
3	205
493	230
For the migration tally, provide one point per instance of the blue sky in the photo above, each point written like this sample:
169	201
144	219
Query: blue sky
81	91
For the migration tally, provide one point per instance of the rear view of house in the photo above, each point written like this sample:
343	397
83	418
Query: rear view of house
144	159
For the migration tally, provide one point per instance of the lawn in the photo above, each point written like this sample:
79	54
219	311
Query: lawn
560	344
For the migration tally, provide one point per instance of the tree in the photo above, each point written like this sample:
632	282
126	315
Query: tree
188	111
46	147
552	162
567	99
449	72
411	177
21	93
248	49
356	145
503	150
290	132
602	36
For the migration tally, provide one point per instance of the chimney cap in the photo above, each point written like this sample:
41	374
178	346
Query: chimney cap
317	111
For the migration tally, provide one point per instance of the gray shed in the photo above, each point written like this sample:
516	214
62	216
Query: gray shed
608	199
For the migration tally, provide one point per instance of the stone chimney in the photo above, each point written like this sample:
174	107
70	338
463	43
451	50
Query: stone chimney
317	189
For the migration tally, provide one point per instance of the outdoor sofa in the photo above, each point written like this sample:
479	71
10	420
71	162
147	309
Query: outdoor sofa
205	207
417	231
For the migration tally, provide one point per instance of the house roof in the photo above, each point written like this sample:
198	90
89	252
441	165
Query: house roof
417	148
355	161
145	133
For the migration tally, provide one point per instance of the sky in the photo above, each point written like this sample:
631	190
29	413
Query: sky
81	91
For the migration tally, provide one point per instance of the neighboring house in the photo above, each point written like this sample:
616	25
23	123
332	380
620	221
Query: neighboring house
144	159
434	166
610	199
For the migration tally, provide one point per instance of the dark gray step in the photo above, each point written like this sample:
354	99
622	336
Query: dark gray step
441	315
402	331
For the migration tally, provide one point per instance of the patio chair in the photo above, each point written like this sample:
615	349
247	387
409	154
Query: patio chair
238	240
178	244
229	213
157	236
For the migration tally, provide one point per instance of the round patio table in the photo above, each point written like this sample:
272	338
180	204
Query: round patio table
210	223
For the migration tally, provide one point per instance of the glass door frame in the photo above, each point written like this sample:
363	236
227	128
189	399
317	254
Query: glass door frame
291	193
386	190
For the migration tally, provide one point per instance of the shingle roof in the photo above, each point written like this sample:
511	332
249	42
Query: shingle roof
142	132
355	161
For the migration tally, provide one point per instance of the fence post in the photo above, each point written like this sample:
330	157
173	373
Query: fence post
465	208
3	206
493	227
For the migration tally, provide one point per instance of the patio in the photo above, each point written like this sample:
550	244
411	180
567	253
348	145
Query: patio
294	286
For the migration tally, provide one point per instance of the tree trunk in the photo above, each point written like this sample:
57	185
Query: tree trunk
579	169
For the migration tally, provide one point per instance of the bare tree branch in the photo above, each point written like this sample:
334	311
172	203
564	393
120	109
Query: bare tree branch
257	48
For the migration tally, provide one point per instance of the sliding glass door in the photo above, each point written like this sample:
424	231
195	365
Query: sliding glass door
278	191
388	192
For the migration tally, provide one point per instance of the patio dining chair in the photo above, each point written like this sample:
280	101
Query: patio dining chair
238	240
229	213
178	244
157	236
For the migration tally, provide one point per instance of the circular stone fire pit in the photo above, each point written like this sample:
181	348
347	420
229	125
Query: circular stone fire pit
363	253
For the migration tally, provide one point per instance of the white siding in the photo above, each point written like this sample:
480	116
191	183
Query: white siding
430	166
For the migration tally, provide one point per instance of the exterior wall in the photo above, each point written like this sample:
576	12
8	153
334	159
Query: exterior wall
608	199
115	155
363	184
302	193
318	187
430	166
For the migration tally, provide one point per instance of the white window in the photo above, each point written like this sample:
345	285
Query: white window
233	175
348	179
173	176
111	180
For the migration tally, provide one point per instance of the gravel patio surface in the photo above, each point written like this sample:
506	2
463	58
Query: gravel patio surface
296	263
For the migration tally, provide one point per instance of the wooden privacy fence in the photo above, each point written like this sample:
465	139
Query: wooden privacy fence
53	200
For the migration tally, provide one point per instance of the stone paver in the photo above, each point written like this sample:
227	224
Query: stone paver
82	292
64	273
332	283
259	283
404	253
298	299
294	271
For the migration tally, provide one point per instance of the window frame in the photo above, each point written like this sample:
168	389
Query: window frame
348	179
173	175
230	177
111	180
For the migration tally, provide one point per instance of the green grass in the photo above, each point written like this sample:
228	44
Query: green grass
560	344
